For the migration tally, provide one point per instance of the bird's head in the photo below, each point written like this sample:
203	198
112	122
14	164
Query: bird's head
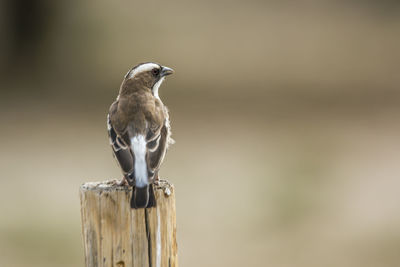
147	75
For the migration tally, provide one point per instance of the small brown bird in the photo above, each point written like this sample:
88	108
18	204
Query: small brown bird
139	130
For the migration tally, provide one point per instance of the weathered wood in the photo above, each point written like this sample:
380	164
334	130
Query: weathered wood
115	235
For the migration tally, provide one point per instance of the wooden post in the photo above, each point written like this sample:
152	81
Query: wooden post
115	235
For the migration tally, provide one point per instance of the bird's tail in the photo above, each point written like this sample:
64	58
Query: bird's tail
143	197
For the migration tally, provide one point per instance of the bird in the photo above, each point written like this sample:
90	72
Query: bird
139	130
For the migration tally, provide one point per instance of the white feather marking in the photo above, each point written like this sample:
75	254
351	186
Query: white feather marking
155	135
120	142
142	68
170	141
156	145
116	148
108	122
138	144
157	86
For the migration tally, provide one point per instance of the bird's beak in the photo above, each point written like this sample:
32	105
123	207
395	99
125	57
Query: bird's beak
166	71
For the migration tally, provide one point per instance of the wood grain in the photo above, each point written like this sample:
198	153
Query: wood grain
115	235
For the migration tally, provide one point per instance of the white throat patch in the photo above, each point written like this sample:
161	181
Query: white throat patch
142	68
157	86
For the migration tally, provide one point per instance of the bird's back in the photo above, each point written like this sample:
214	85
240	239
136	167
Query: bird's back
137	114
138	127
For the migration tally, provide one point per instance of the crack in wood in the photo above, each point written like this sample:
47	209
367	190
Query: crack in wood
146	219
120	237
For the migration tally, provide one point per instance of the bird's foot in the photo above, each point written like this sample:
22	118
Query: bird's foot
156	179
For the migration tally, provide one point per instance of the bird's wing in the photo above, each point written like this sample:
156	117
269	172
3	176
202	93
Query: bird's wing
121	149
156	148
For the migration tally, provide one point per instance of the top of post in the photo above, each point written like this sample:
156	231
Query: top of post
112	185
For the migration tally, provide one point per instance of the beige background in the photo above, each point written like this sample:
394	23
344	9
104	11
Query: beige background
285	115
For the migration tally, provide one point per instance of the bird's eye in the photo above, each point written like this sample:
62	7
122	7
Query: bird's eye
155	72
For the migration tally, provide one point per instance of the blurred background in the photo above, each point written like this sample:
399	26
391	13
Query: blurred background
286	116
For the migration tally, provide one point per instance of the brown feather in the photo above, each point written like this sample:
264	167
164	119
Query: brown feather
137	112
